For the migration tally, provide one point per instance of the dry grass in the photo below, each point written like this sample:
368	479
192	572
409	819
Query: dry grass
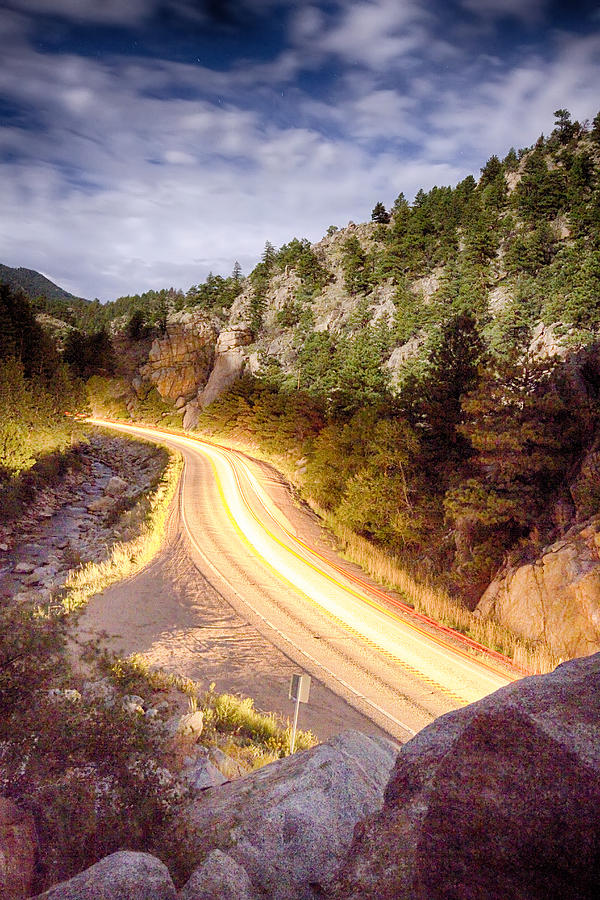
127	558
252	737
433	602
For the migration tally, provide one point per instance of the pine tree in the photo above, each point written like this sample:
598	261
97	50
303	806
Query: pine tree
380	214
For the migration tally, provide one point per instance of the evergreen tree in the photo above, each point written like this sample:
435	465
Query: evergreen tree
380	214
564	128
519	427
354	262
490	171
511	161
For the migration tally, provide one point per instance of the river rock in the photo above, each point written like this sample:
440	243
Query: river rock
218	878
124	875
499	799
102	504
556	598
116	486
17	851
290	823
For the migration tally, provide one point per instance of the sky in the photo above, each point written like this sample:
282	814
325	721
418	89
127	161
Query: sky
145	143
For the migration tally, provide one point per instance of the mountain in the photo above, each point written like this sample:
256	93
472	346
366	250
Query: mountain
33	284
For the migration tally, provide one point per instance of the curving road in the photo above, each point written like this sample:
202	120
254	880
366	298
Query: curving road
265	557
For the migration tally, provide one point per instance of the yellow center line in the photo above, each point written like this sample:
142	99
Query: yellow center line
415	672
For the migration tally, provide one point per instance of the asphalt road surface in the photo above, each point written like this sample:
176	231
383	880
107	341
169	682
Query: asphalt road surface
270	560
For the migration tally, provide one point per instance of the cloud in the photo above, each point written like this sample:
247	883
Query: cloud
123	173
372	33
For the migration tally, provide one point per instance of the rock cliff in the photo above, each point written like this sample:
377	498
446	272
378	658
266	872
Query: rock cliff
180	361
556	598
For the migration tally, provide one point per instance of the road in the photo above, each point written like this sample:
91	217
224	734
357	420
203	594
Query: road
265	556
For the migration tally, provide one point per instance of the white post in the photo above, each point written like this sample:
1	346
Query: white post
295	725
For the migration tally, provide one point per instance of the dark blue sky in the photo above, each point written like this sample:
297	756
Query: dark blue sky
144	143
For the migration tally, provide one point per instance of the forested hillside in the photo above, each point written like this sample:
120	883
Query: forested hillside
37	388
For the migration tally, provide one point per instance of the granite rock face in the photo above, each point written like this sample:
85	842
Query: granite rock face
229	363
499	799
555	599
180	361
135	876
289	824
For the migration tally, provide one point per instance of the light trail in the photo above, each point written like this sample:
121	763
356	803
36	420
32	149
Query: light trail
344	597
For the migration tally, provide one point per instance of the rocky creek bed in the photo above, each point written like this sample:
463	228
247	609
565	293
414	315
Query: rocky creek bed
78	519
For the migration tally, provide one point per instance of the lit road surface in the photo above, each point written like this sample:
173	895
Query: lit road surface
393	667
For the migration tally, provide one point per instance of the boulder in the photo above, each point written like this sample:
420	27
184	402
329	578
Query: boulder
231	338
124	875
290	823
191	415
191	724
499	799
17	851
227	368
218	878
555	599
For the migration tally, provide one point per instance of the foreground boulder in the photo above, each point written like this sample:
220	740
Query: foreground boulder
121	876
218	878
288	825
500	799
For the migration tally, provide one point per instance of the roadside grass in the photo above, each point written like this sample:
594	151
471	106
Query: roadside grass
237	716
127	557
253	738
434	602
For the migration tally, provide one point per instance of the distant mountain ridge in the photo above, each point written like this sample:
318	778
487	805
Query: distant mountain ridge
33	283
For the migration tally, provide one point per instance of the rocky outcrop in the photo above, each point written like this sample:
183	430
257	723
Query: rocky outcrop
180	361
135	876
500	799
17	851
229	363
289	824
555	599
